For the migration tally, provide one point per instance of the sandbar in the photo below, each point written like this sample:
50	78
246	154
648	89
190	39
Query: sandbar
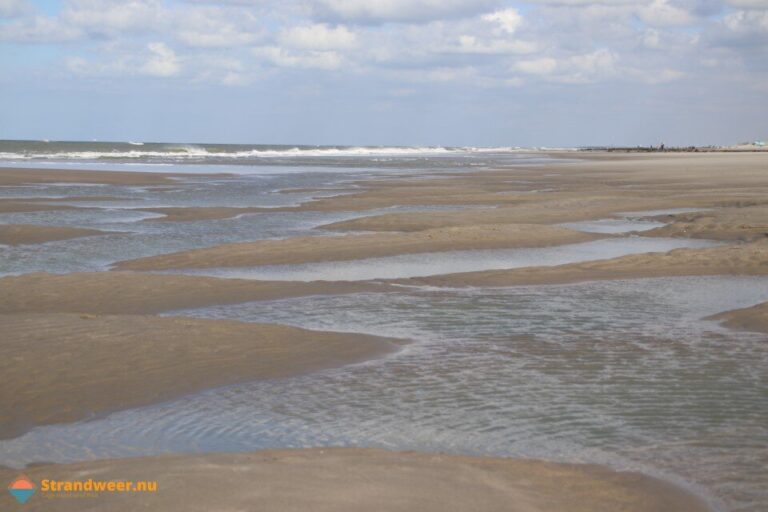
754	318
315	248
60	367
740	259
25	176
23	234
141	293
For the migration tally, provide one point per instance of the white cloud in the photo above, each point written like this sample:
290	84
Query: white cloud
508	19
589	65
217	70
747	21
112	17
474	45
318	36
382	11
661	76
213	27
13	8
163	61
583	2
461	40
652	39
38	29
576	69
749	4
661	13
542	66
197	26
326	60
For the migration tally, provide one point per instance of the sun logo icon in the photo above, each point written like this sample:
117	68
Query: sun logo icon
22	488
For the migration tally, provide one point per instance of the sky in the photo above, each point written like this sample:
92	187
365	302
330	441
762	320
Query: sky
554	73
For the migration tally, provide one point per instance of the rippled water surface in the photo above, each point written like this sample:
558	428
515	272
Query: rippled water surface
624	373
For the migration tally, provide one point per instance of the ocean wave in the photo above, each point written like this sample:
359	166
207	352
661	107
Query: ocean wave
183	153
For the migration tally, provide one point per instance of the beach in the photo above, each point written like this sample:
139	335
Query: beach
355	479
124	293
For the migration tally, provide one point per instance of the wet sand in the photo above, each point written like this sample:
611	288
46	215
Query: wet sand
22	234
137	293
743	223
599	185
59	367
26	206
741	259
352	480
316	249
747	319
10	176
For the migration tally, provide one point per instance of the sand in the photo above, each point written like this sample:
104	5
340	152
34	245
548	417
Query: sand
353	480
67	198
743	259
22	176
24	206
138	293
59	367
315	249
47	204
21	234
600	185
551	208
743	223
747	319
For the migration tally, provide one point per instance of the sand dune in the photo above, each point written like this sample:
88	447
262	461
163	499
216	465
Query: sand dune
313	249
353	480
20	234
67	367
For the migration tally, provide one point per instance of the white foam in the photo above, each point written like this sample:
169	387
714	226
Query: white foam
190	152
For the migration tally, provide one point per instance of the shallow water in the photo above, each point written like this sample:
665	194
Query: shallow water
623	373
628	222
613	226
133	238
428	264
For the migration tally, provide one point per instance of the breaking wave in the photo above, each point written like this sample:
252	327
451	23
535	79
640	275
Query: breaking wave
149	151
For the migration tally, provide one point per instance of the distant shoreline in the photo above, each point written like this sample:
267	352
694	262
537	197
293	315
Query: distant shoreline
680	149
